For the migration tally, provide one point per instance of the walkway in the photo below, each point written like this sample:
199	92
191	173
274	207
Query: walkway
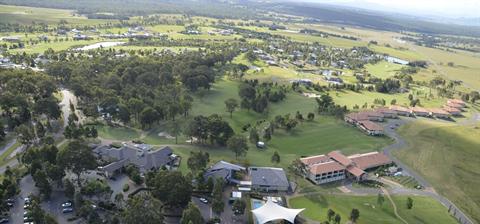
385	192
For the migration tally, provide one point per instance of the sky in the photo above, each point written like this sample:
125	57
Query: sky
440	8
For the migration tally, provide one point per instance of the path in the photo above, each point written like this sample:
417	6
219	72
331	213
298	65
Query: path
393	205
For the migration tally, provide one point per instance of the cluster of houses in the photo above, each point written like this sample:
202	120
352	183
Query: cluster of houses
365	120
335	166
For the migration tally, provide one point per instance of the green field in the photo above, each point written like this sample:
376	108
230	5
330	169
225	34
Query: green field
425	210
117	133
383	69
449	158
27	15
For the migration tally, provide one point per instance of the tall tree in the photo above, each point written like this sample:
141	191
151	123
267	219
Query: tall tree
239	206
330	214
276	157
143	209
238	144
191	215
170	187
77	158
409	203
231	104
354	215
380	199
198	161
217	204
338	218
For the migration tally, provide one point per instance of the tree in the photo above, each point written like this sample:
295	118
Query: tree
198	161
330	214
239	206
231	104
409	203
69	189
142	209
148	116
217	204
276	157
354	215
338	218
380	199
170	187
311	116
238	144
254	138
191	215
77	157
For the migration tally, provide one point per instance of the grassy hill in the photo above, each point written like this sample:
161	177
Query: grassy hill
449	158
425	210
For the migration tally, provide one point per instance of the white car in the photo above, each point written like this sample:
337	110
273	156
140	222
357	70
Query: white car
66	205
203	200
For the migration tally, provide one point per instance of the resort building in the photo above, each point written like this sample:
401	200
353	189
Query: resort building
225	171
145	157
268	179
370	128
420	111
439	113
452	111
387	113
401	111
457	101
335	166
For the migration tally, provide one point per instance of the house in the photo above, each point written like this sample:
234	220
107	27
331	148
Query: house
80	37
439	113
396	60
453	111
268	179
370	128
401	111
387	113
335	166
140	155
456	105
224	170
420	111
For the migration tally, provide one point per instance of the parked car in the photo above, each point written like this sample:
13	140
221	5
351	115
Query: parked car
67	210
67	204
203	200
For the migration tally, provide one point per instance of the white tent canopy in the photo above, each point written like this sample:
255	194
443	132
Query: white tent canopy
271	211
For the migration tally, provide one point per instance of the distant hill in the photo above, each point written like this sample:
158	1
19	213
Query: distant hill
369	19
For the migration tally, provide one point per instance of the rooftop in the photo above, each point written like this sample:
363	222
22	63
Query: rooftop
268	176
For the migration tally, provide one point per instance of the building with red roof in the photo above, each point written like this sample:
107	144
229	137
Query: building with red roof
335	166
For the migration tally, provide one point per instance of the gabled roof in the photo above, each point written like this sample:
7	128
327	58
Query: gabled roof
355	171
419	110
369	160
226	165
326	167
371	126
339	157
315	159
438	111
399	108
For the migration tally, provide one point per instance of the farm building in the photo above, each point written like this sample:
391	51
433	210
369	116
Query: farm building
453	111
387	113
370	128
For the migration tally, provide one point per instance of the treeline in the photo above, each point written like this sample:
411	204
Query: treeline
325	34
141	90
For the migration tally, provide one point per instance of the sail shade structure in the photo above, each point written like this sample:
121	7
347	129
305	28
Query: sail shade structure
271	211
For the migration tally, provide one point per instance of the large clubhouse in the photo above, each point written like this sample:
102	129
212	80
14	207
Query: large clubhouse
335	166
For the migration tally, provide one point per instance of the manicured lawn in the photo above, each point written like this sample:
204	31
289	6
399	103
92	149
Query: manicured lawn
4	156
383	69
448	156
117	133
425	210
